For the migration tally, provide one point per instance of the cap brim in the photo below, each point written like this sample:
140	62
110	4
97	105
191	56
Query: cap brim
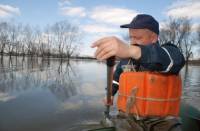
132	26
126	26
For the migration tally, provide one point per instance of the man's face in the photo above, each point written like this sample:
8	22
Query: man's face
142	36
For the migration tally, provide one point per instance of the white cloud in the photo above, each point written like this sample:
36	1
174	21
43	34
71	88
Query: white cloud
103	14
7	11
163	25
194	26
112	15
73	11
96	28
186	8
64	2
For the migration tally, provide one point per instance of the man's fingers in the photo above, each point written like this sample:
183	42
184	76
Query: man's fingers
99	42
107	47
107	55
102	47
104	51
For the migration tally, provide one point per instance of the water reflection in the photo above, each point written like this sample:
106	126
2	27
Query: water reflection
53	95
191	85
21	75
38	94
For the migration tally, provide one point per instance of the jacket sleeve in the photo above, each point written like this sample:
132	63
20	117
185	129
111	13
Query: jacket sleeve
166	58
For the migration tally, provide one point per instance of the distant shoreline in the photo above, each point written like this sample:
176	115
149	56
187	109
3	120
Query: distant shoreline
190	62
194	62
48	57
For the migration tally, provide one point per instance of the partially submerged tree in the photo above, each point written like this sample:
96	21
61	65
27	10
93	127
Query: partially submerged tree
178	32
198	37
3	37
60	39
65	37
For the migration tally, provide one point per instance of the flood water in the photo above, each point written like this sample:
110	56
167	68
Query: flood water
50	95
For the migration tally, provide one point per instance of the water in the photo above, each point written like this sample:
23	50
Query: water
47	95
191	85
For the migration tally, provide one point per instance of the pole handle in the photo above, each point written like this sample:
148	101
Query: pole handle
110	61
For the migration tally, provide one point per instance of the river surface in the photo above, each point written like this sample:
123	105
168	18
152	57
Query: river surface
50	95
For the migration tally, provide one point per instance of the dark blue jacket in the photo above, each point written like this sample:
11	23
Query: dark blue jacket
165	59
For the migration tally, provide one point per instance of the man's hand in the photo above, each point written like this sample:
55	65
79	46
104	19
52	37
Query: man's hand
108	103
112	46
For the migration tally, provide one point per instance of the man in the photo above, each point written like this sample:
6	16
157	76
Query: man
144	50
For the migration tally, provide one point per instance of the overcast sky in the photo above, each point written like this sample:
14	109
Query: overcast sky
96	18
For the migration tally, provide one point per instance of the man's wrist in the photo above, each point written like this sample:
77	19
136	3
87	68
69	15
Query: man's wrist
134	52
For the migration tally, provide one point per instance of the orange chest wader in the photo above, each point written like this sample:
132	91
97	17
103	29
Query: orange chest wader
149	94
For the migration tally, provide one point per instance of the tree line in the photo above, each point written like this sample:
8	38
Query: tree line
62	39
57	40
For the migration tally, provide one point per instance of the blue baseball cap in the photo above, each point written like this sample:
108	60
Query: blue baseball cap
143	21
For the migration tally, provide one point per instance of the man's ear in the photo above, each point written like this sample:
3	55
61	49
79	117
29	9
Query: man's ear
154	38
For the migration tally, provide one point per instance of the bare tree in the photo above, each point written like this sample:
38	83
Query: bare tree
72	41
198	37
65	36
42	49
19	29
38	40
48	41
61	39
23	43
187	49
29	40
198	33
13	39
59	30
178	32
3	37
